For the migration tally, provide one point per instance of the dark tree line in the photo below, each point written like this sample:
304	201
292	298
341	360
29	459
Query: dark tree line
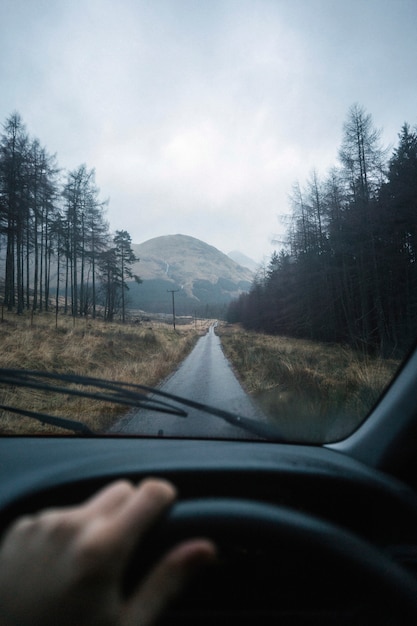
55	245
348	269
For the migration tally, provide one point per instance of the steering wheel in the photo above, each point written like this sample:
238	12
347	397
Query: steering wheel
290	557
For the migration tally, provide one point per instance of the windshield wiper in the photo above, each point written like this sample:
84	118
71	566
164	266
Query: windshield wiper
118	393
62	422
265	431
128	394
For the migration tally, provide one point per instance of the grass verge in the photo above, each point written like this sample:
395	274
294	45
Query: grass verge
143	354
313	392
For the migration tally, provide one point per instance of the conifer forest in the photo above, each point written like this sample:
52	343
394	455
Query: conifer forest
56	249
346	269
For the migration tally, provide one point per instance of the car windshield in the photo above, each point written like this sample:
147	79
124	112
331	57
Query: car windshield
211	200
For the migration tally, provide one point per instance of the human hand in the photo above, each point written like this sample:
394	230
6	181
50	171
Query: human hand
66	566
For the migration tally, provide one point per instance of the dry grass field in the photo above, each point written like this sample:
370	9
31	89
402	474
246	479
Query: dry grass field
143	354
312	391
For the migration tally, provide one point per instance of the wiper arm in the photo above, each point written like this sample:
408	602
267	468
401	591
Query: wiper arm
128	394
117	393
62	422
265	431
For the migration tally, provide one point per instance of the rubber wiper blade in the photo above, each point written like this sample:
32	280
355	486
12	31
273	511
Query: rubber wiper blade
118	393
265	431
129	394
62	422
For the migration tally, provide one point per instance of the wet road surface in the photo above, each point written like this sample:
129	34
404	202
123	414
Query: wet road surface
204	376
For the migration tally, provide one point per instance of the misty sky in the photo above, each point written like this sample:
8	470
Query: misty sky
199	115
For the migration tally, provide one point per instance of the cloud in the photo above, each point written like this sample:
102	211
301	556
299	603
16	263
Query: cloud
199	116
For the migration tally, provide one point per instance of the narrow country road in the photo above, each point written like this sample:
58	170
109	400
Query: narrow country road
204	376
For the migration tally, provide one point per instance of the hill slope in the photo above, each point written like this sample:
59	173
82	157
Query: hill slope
203	275
243	260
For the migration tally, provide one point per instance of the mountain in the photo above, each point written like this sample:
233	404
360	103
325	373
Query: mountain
204	276
243	260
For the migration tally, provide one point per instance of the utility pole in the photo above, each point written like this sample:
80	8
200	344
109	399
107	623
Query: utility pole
172	291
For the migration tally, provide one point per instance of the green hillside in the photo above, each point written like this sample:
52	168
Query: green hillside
206	279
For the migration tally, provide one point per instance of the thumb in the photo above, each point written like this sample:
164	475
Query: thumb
166	581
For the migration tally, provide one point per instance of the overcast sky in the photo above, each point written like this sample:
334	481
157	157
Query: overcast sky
199	115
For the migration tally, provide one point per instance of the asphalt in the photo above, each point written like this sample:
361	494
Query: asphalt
205	376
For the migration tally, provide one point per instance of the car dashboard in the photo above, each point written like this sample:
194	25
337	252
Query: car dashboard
293	523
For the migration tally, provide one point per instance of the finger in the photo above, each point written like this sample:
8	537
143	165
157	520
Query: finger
108	499
167	580
147	502
102	503
114	534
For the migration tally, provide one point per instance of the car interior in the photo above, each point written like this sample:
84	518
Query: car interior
307	534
